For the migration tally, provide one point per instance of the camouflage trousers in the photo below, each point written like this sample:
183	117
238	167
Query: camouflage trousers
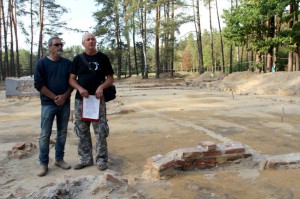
82	130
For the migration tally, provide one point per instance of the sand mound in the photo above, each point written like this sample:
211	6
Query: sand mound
279	83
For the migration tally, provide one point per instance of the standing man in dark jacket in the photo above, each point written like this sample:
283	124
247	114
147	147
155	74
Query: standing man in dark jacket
88	82
51	78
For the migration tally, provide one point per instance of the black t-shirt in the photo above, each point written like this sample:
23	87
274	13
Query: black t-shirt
101	65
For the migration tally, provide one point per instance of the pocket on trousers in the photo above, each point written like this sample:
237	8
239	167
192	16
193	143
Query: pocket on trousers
76	129
106	129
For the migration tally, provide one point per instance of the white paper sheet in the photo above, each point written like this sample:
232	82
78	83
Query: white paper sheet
90	108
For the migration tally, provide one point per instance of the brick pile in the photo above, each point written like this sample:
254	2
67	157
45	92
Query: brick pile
205	155
284	161
22	150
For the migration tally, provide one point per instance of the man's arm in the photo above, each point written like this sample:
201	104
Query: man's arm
109	81
47	92
61	99
73	82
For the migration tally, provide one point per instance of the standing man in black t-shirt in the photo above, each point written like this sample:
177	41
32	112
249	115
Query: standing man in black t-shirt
88	82
51	77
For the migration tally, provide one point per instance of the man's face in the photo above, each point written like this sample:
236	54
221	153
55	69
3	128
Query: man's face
89	42
56	47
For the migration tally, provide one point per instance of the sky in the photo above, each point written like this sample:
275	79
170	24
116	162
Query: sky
80	16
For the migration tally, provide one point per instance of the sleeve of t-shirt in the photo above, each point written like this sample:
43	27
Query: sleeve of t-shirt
74	66
108	70
39	75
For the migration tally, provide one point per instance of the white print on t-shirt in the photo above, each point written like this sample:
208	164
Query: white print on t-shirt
96	64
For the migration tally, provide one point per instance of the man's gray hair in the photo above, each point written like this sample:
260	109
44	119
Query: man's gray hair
85	34
51	39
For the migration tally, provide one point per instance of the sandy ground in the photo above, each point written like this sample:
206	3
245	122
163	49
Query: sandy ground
151	117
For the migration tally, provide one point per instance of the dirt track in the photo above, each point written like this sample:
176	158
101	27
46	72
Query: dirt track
147	120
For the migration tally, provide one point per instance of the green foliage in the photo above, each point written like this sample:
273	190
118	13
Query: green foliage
248	22
24	62
72	51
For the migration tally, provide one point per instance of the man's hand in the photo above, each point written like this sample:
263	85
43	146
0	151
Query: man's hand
99	92
83	92
60	100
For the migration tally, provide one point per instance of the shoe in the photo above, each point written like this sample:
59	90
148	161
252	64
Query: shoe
62	164
81	166
43	170
102	167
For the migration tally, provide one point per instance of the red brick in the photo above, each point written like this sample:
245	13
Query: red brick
278	164
221	159
234	157
237	150
167	174
189	162
212	153
205	160
210	160
247	155
19	146
275	164
163	163
208	145
205	166
189	153
114	179
224	164
189	166
178	164
200	161
230	148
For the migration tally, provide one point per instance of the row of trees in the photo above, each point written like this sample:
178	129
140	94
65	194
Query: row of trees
268	30
256	32
141	36
36	21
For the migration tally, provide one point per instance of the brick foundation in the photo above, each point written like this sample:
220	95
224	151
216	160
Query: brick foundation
205	155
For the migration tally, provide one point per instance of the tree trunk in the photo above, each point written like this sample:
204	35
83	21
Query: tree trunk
119	42
40	52
291	24
221	39
5	64
238	58
199	36
271	34
12	53
166	37
296	53
31	38
231	50
172	38
2	69
230	60
134	44
247	56
18	72
258	60
157	24
211	39
143	36
251	61
128	57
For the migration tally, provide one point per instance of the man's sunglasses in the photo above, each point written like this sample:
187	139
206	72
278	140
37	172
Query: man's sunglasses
58	44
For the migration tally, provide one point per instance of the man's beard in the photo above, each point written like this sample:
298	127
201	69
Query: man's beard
59	52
